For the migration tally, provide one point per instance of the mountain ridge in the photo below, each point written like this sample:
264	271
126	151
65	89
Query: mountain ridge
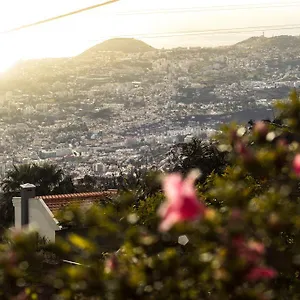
131	45
280	41
126	45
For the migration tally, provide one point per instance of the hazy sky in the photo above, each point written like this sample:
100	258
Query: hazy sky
74	34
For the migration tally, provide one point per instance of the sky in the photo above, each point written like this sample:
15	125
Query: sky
149	20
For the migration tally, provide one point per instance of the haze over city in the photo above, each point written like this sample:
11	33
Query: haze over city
160	23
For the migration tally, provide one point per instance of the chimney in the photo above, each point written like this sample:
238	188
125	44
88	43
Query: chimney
27	192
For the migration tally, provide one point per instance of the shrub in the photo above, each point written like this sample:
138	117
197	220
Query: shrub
236	237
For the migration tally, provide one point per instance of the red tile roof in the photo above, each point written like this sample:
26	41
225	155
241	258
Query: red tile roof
56	202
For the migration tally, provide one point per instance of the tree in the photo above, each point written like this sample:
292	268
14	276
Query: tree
47	178
197	154
86	184
142	181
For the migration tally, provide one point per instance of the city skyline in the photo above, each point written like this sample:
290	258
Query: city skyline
155	22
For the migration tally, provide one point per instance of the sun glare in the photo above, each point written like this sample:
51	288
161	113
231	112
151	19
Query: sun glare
74	34
64	37
8	53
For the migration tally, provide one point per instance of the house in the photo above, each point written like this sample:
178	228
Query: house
40	210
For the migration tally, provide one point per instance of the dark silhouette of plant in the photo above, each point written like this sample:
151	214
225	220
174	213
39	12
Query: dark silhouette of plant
87	184
197	154
48	179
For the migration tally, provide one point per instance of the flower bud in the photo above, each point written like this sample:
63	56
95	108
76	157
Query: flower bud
282	144
296	165
256	247
244	152
111	264
260	273
261	129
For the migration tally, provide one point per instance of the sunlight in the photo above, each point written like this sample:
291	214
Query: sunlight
8	52
72	35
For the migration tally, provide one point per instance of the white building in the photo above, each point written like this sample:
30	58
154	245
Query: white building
99	168
39	212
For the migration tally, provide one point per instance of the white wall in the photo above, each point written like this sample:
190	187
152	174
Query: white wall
17	206
39	216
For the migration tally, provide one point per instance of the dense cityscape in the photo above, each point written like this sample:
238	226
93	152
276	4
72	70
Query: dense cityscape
124	103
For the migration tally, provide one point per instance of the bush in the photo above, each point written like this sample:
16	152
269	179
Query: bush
236	237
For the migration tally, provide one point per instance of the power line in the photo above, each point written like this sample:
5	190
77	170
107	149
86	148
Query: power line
201	32
59	17
179	10
211	8
209	31
221	31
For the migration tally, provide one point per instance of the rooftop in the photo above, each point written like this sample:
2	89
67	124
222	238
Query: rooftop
56	202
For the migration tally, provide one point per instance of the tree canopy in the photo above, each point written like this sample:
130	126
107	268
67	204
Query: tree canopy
48	179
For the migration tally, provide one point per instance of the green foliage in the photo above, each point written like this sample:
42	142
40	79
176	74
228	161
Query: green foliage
146	210
140	181
197	154
47	178
86	184
251	222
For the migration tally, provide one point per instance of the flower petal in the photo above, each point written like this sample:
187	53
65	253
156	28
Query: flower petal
172	186
168	222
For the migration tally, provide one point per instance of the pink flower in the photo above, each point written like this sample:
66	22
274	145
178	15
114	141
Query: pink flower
236	217
296	164
256	247
238	242
261	129
111	264
259	273
182	203
252	252
244	152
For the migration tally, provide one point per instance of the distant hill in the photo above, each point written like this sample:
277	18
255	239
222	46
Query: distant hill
126	45
280	42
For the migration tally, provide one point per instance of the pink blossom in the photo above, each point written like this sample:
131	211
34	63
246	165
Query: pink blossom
244	152
282	143
252	252
12	258
236	214
21	296
111	264
261	129
182	203
259	273
256	247
238	242
296	164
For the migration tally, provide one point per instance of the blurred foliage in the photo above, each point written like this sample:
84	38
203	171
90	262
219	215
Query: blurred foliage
252	222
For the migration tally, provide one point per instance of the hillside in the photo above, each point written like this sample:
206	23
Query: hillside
280	42
126	45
